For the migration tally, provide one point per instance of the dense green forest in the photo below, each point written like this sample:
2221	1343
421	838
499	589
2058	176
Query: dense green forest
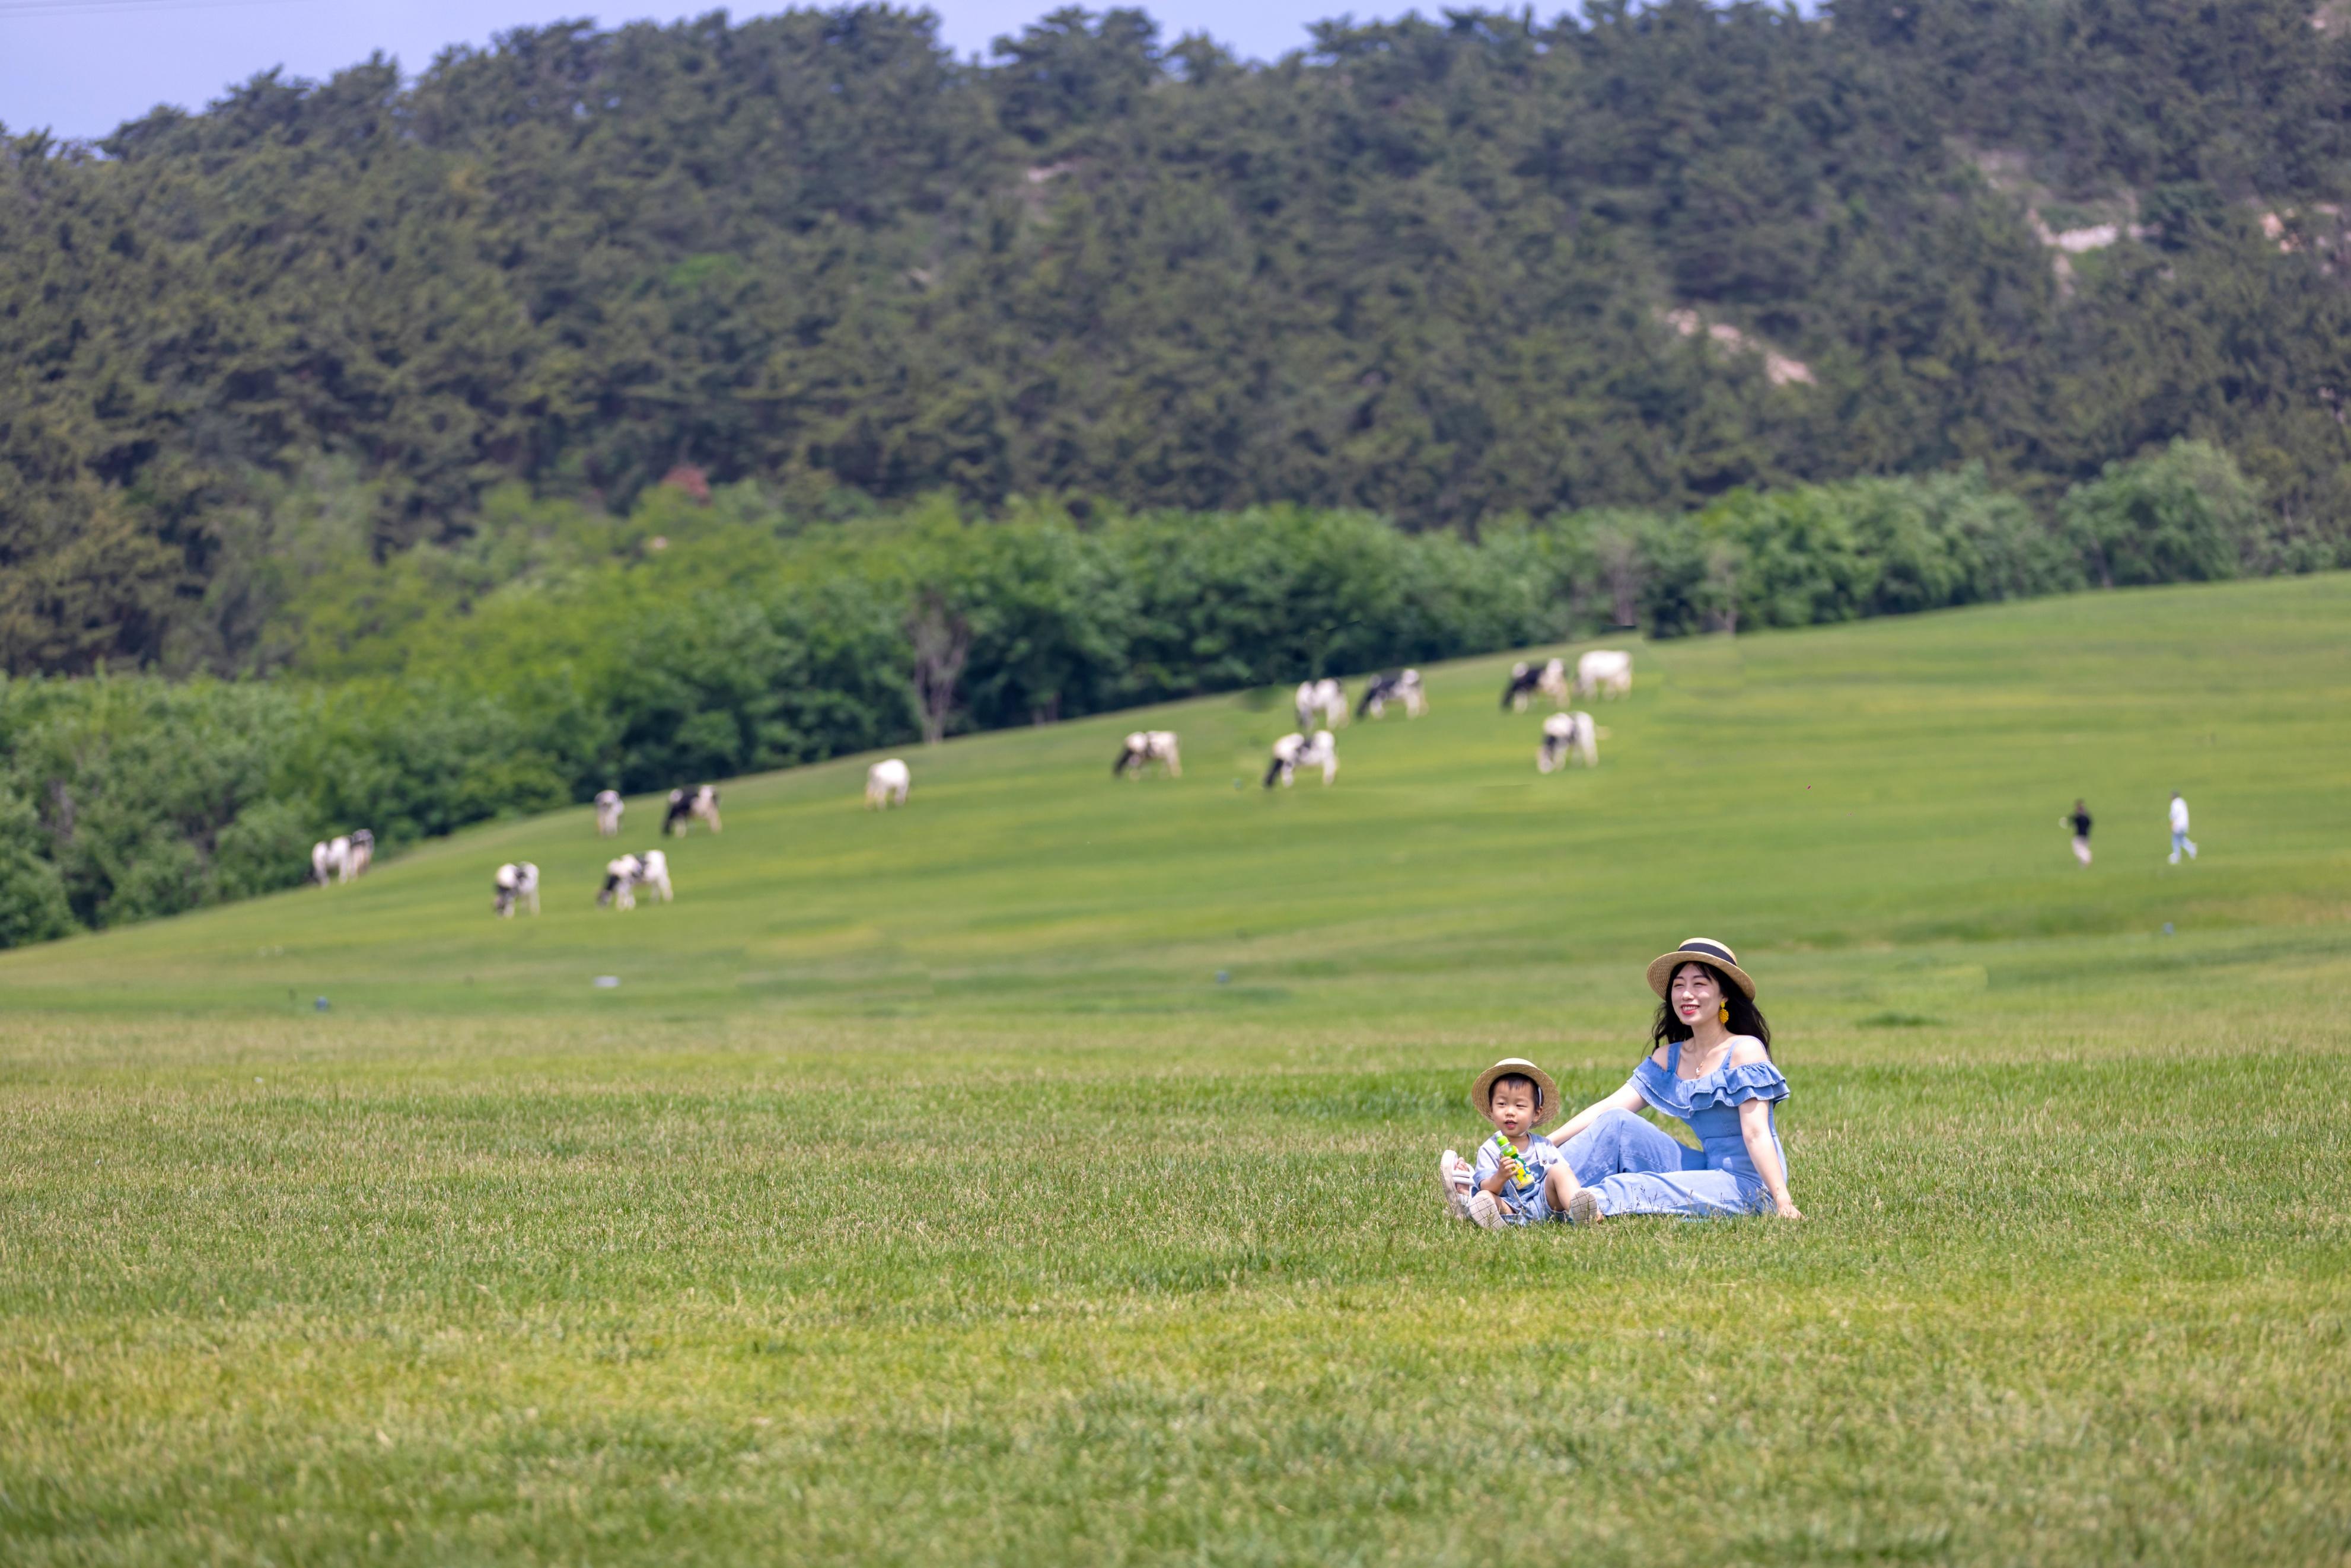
1445	272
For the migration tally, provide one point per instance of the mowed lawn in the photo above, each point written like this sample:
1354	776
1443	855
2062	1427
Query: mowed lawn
1044	1173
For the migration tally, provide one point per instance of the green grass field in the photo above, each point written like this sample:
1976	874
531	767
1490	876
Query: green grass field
1043	1173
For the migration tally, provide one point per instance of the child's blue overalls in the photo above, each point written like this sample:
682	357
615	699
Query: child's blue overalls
1522	1203
1636	1168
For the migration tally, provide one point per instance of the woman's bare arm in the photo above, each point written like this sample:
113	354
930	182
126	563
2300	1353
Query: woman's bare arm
1755	1127
1625	1099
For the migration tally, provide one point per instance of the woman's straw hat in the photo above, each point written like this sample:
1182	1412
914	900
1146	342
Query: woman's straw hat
1481	1093
1702	950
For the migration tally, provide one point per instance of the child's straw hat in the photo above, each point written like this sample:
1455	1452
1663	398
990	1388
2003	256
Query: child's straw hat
1481	1093
1703	950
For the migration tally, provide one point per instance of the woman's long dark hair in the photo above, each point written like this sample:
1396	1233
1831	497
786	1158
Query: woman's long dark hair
1746	1018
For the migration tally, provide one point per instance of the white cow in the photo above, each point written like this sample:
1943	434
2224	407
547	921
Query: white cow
609	807
652	873
1550	679
1604	672
515	882
362	853
886	783
1396	687
620	889
1145	747
338	857
1292	752
685	805
323	864
1565	733
1325	699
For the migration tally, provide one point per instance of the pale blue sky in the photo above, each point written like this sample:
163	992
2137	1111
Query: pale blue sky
82	67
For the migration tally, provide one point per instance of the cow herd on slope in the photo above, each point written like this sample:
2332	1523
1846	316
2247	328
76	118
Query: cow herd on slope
1567	735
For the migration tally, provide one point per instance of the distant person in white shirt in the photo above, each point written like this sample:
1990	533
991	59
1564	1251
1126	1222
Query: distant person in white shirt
2180	839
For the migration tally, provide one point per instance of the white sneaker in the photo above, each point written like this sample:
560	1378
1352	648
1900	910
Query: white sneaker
1454	1179
1484	1212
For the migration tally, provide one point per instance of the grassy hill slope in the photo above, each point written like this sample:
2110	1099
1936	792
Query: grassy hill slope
922	1193
1893	783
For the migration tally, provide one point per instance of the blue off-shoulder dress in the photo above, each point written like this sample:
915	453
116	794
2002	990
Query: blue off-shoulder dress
1634	1168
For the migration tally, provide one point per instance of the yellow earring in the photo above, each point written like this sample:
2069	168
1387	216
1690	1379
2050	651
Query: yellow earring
1722	1014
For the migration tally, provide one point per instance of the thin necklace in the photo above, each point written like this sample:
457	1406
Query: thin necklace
1694	1077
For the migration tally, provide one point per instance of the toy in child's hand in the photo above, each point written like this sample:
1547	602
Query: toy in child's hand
1508	1153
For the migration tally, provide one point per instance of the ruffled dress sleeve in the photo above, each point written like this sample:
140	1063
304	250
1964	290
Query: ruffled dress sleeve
1666	1093
1737	1085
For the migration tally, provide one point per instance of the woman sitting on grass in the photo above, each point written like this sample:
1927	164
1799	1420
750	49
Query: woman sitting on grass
1711	1069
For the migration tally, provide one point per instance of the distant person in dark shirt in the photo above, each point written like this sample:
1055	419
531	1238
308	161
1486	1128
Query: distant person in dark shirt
2079	818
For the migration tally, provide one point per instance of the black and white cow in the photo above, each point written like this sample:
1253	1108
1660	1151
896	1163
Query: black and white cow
1548	678
515	882
620	887
653	874
1292	752
685	805
1146	746
1394	686
1565	735
609	807
342	857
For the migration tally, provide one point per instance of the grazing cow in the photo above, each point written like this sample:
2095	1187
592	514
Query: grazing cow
685	805
516	882
1604	672
338	857
653	872
1325	699
1331	698
886	783
1550	679
1394	686
609	807
362	853
1566	733
1554	684
1145	747
1292	752
620	889
1284	764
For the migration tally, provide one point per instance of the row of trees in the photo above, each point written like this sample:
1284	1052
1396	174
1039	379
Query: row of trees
560	650
1443	271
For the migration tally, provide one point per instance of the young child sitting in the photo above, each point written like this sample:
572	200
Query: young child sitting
1530	1183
